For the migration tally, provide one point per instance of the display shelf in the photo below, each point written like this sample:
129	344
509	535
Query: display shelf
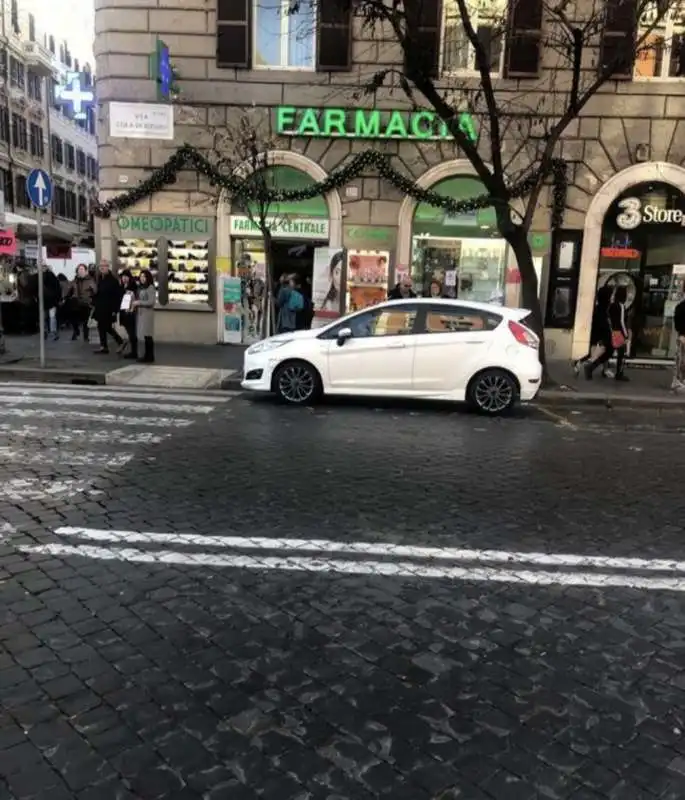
188	269
137	255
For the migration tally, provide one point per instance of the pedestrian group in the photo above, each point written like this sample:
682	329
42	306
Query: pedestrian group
610	335
102	300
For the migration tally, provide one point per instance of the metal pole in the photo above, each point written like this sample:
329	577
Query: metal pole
41	288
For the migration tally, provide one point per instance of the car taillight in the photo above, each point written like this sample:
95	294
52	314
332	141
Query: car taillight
523	335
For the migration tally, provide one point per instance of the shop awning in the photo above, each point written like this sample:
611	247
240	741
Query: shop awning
26	229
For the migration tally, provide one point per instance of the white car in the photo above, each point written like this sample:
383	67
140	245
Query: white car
423	348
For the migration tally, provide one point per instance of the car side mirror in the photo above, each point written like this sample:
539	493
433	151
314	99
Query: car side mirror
343	335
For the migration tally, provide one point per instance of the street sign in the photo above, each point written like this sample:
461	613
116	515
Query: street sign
39	188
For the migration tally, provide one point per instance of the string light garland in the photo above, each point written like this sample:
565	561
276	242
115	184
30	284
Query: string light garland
246	191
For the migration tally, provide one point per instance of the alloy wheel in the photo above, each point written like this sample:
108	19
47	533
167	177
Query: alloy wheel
494	393
296	383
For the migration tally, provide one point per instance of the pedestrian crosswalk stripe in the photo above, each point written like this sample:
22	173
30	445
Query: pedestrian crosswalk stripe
18	490
138	393
80	435
155	422
97	402
54	455
65	437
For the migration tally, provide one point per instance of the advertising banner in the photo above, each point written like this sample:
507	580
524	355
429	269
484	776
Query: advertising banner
326	284
367	278
231	294
8	243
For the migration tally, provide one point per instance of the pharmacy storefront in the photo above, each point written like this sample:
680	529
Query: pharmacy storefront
298	229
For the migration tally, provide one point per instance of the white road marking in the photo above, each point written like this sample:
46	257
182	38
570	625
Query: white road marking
38	390
80	435
17	490
76	458
95	417
96	403
398	569
375	549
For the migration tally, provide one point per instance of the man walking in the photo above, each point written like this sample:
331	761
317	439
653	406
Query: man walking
106	306
679	327
403	290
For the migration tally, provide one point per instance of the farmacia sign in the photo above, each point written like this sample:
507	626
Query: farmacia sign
341	123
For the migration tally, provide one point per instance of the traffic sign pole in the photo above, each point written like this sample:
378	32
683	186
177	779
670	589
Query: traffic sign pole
41	286
39	190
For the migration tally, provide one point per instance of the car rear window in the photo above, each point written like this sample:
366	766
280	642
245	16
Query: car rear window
453	320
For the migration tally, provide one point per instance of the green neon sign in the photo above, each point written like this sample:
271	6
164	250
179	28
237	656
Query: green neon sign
340	123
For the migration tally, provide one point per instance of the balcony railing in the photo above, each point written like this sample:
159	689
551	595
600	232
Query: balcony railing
39	59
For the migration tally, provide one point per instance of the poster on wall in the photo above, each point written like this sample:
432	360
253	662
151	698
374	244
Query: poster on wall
367	278
676	290
252	271
232	309
326	284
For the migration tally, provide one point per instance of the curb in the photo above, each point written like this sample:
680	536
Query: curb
231	384
38	375
558	398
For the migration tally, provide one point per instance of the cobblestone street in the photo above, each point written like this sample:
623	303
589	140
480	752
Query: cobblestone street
209	596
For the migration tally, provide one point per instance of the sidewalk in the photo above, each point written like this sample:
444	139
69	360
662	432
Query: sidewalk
176	365
219	367
645	388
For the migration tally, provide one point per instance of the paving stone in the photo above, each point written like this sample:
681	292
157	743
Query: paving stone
187	680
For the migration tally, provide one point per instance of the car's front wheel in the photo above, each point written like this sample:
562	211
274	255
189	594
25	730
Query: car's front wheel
297	383
492	392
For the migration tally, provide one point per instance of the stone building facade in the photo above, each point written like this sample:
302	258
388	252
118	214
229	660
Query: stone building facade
35	131
238	56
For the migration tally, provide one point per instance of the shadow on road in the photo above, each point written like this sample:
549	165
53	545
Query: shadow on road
411	406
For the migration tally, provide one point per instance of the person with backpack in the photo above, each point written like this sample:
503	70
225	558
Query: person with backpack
289	302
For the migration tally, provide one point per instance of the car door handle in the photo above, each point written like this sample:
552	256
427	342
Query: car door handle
396	345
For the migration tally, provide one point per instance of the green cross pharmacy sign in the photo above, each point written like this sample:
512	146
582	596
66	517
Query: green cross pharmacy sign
341	123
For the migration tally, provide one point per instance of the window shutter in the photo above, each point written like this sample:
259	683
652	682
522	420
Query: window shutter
524	34
424	18
618	38
334	36
234	34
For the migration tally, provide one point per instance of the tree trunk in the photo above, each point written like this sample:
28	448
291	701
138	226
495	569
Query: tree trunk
517	239
268	315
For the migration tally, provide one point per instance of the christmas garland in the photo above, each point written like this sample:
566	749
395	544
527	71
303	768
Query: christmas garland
189	157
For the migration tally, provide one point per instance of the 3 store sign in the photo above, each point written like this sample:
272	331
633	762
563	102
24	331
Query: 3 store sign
633	214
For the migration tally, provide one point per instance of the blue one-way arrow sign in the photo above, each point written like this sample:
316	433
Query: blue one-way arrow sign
39	188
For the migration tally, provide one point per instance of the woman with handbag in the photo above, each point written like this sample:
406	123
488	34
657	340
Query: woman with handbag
127	313
618	341
619	330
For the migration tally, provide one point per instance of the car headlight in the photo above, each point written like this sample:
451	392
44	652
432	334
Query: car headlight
267	344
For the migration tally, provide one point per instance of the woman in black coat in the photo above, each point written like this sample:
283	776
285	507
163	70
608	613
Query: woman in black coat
106	305
127	316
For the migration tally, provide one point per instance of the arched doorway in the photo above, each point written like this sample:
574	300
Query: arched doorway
458	255
643	248
656	172
298	229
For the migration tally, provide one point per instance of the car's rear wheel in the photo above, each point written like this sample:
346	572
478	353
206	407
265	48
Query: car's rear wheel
297	383
492	392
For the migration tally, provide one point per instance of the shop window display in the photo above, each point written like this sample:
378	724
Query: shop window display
137	255
188	264
467	268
